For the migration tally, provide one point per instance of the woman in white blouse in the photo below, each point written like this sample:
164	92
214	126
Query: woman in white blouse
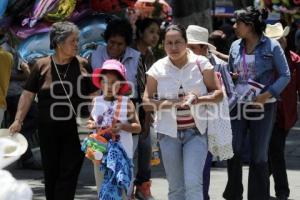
178	87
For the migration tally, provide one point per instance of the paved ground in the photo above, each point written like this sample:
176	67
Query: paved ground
86	189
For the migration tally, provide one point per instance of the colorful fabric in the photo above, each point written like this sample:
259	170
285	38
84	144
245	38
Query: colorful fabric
117	169
64	9
40	9
3	6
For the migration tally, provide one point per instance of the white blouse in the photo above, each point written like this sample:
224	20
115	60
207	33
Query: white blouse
169	78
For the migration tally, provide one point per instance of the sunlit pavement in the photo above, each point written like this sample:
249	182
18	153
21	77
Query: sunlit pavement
86	189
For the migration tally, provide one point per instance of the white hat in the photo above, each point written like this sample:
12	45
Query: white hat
11	147
276	31
198	35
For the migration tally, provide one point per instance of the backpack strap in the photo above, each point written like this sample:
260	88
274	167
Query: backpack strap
118	111
198	65
217	73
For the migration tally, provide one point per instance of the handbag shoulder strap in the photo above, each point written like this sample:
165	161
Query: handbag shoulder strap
60	80
198	65
217	73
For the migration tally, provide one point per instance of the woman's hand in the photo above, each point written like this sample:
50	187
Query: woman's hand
15	127
169	103
261	99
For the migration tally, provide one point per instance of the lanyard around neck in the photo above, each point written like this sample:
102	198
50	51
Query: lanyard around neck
245	67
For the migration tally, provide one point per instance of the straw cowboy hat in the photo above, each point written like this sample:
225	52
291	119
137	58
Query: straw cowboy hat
11	147
276	31
198	35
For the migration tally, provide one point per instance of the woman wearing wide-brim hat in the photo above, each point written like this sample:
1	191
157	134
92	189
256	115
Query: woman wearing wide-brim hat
61	84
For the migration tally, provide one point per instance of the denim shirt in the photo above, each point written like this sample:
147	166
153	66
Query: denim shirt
269	60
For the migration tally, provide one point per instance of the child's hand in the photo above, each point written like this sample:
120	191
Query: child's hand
91	124
116	128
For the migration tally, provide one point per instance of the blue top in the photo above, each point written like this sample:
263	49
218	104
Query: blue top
270	67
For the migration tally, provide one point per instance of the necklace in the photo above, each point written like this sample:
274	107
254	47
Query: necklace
59	73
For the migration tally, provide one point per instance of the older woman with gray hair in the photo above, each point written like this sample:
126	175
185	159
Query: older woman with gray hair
60	82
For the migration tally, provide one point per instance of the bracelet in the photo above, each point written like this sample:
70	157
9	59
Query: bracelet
194	94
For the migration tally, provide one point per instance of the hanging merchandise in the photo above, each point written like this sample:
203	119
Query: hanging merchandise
41	7
127	3
11	2
80	14
146	8
19	7
296	2
91	30
3	6
64	9
81	11
111	6
105	5
25	32
36	46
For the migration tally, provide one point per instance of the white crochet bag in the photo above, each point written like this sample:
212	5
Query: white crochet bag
219	132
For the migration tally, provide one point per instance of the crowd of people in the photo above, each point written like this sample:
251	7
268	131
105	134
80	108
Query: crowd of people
129	90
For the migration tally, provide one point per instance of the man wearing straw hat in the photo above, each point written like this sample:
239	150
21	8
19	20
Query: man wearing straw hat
286	113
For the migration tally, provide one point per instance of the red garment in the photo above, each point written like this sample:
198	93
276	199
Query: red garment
287	107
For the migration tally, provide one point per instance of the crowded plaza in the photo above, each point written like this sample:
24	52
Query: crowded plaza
149	99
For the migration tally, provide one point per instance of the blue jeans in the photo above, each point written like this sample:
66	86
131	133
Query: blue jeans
184	158
259	134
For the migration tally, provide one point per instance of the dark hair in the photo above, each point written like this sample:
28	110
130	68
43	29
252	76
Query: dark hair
252	16
114	72
178	28
60	31
142	24
119	27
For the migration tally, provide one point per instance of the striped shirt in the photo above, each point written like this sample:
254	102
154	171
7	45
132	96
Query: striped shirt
184	117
